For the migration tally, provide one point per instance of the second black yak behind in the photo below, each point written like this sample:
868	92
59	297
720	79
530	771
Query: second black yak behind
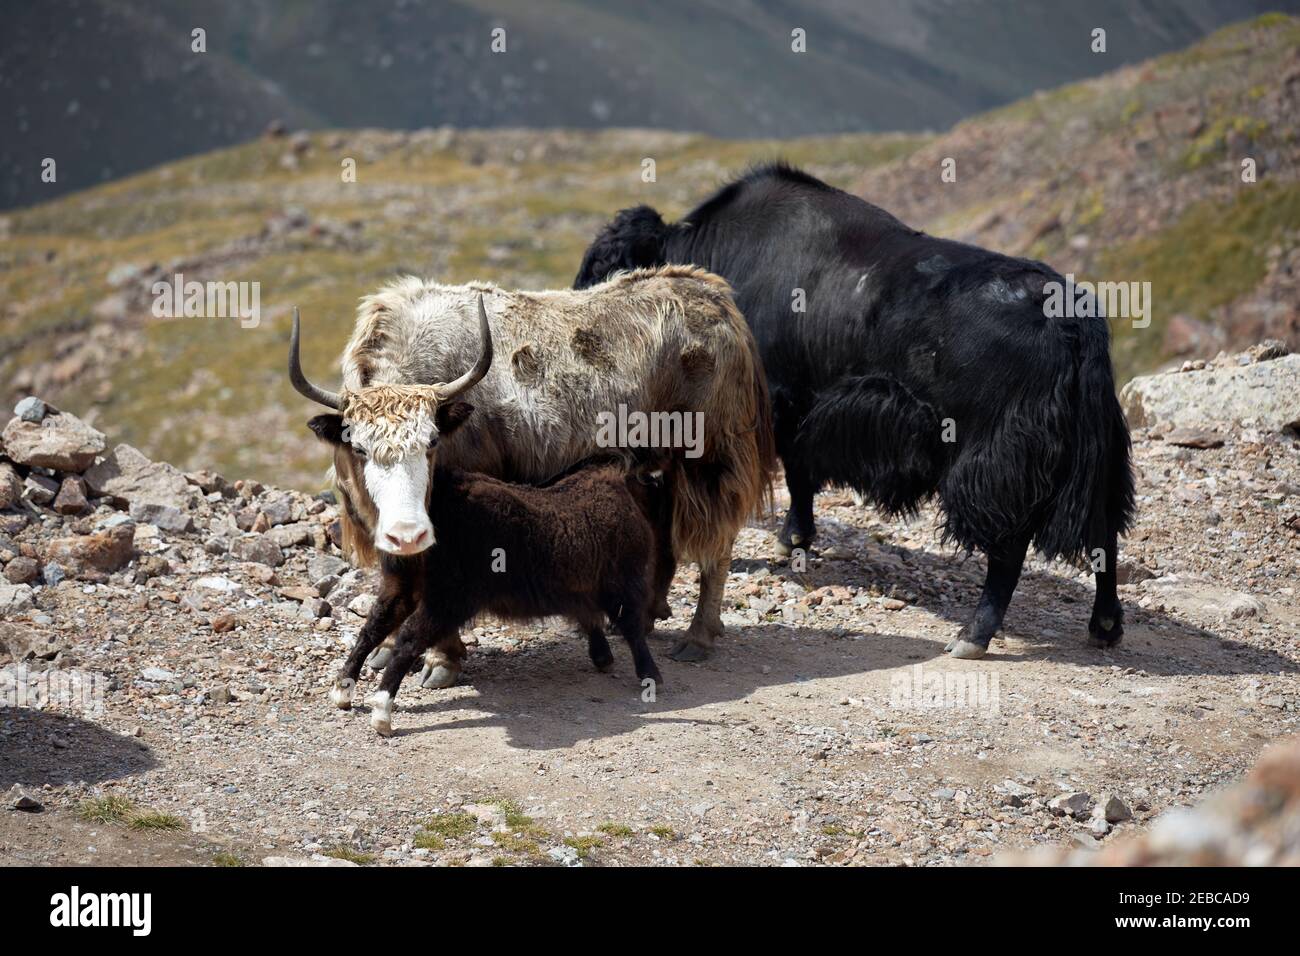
905	366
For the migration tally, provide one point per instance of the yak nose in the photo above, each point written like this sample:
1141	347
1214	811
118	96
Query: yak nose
407	537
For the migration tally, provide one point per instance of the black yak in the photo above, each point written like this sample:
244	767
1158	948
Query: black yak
905	366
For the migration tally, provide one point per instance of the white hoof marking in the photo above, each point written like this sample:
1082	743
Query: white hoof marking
341	694
381	712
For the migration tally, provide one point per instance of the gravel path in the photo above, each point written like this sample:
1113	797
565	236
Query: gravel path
829	727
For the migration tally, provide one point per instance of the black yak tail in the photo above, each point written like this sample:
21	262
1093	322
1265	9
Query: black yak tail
1096	499
633	239
1043	450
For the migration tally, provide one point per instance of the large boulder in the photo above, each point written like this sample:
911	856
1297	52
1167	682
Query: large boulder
132	480
59	441
1260	386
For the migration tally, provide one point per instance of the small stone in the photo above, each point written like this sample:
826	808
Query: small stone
40	490
223	623
164	517
11	486
323	565
71	499
290	535
257	549
103	551
1194	438
157	675
278	508
22	570
362	604
15	599
19	799
1071	804
30	409
892	604
1112	809
314	608
152	566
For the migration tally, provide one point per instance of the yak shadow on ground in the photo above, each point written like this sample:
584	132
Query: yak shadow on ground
40	747
1048	616
550	697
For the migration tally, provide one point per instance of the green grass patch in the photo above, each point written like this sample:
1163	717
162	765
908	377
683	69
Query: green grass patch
156	820
228	859
584	845
616	830
664	833
106	810
516	843
1215	253
341	852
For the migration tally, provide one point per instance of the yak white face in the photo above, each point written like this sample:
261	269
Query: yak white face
399	492
395	455
384	443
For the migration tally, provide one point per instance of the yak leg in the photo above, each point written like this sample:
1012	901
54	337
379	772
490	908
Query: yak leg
415	637
706	625
592	624
442	662
799	528
665	568
394	605
632	624
1000	583
1106	628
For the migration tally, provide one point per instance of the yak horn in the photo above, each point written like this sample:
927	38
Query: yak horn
475	375
305	388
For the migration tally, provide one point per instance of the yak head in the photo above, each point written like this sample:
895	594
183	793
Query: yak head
385	440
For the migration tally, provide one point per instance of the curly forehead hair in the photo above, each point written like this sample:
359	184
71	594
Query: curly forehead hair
392	420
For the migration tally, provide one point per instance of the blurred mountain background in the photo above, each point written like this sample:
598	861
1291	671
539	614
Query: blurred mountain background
110	87
1133	175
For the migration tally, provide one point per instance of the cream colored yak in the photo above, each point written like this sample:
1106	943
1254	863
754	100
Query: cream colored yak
666	340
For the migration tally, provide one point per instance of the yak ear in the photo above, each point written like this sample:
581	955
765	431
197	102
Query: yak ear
634	239
451	416
328	428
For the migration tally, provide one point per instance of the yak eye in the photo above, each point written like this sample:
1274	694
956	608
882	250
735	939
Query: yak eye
433	442
359	450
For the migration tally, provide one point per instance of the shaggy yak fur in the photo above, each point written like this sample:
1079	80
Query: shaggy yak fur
662	340
917	367
592	546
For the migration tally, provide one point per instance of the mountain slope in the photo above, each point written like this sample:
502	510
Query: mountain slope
108	87
1137	176
1131	177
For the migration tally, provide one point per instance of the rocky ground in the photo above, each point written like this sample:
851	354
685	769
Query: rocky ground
168	639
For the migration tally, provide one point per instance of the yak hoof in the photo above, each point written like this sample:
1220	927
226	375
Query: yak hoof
662	611
1105	632
690	650
965	650
604	664
341	694
381	712
379	658
438	676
